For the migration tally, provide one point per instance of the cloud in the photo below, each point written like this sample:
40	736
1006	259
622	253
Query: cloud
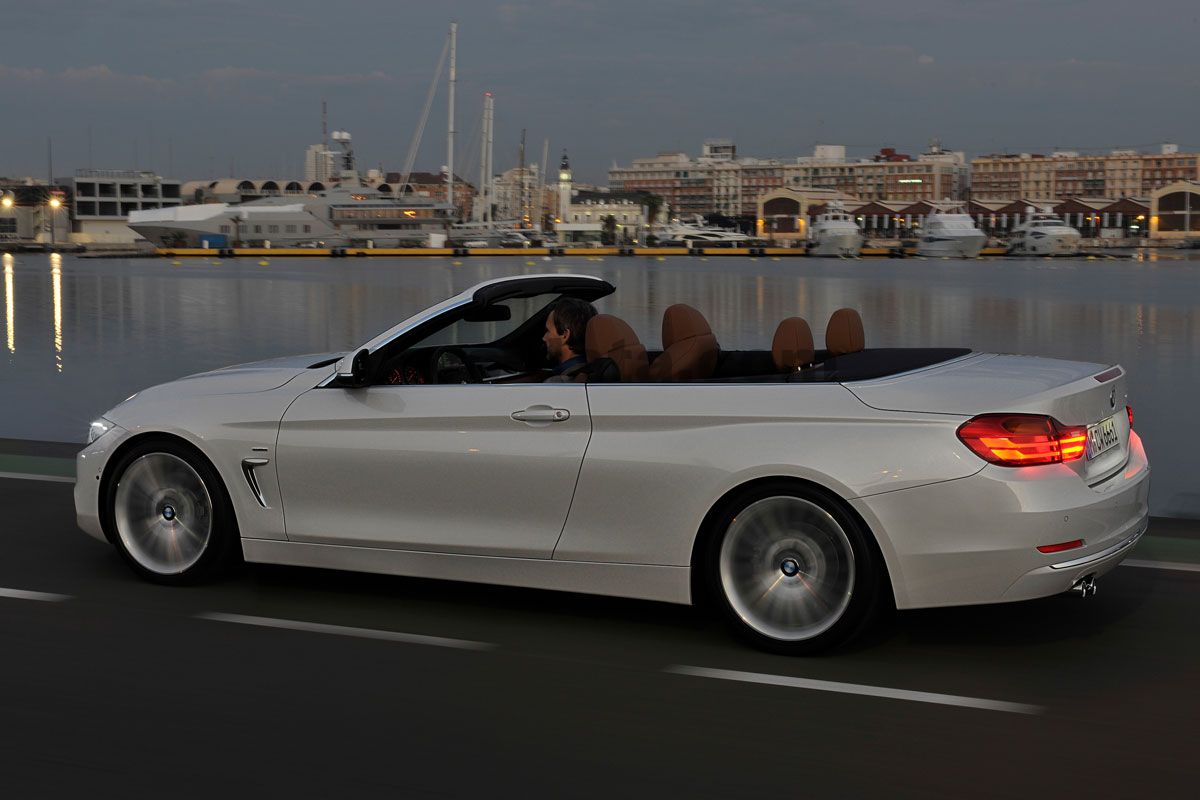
924	59
95	76
251	74
17	75
101	74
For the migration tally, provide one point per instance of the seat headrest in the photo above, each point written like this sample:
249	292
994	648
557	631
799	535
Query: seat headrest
689	348
792	347
682	322
845	334
612	338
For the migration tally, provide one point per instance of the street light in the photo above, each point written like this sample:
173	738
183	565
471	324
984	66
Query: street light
54	203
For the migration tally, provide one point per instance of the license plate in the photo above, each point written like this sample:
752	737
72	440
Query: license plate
1102	437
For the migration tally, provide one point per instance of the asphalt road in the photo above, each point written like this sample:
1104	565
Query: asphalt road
110	686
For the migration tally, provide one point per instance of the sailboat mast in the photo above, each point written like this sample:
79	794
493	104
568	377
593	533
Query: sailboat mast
541	182
524	182
450	131
491	183
481	200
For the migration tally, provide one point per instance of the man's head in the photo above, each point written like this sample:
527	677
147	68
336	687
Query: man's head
565	328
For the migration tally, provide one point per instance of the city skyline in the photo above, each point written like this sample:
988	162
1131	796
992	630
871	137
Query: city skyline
221	89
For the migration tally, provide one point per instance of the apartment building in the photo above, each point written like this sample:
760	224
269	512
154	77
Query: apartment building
721	182
1062	174
934	175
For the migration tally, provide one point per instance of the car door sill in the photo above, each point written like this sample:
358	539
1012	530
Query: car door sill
641	581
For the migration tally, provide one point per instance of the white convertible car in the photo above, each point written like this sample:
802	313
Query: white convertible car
800	489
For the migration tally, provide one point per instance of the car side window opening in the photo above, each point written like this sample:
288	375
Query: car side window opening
496	350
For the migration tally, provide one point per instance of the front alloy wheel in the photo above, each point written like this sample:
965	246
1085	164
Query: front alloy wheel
169	514
163	513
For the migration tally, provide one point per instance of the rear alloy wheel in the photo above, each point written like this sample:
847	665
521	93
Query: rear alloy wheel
794	571
169	513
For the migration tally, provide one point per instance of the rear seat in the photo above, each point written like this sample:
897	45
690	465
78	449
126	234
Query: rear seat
792	348
844	334
689	348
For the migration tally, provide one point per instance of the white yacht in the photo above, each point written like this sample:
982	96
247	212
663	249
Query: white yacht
339	217
835	233
950	233
697	234
1044	234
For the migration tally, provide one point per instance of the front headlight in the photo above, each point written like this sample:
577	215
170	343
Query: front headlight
98	429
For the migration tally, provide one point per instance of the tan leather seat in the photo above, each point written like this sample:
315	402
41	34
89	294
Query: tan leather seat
689	348
608	337
845	334
792	348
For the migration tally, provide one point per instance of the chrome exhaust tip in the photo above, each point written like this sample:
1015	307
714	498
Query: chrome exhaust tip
1084	587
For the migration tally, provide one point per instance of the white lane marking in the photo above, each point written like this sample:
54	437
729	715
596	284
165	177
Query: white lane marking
340	630
856	688
22	594
29	476
1175	565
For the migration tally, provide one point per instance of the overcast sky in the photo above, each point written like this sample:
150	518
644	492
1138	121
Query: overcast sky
193	87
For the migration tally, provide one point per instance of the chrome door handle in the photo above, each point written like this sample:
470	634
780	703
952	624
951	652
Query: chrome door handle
541	414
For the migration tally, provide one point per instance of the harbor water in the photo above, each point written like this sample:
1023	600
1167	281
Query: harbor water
80	334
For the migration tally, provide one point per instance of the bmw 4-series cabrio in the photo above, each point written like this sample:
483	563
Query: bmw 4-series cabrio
799	489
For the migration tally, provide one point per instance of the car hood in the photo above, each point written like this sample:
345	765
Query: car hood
257	376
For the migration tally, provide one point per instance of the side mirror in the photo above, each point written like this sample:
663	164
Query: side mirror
359	370
488	314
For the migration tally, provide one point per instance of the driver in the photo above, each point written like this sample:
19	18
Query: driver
565	327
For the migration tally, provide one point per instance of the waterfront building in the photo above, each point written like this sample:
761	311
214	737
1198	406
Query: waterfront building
721	182
1175	211
246	190
1063	174
602	214
33	212
786	214
319	163
935	175
515	195
718	182
103	199
427	185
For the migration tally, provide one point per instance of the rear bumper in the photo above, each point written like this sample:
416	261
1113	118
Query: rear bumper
975	540
1060	577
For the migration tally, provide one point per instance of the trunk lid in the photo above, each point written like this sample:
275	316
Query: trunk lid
1073	392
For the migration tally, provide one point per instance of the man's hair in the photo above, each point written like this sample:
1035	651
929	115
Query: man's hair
573	314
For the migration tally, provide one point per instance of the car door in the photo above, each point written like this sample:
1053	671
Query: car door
484	469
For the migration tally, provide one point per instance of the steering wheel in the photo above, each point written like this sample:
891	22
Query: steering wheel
441	362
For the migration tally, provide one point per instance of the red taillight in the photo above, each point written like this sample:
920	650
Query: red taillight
1020	440
1058	548
1129	411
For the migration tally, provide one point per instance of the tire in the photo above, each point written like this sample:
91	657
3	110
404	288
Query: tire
792	570
169	515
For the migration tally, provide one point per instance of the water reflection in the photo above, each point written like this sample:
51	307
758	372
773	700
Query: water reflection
121	325
10	325
56	280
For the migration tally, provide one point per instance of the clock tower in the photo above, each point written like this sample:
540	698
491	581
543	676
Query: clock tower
564	187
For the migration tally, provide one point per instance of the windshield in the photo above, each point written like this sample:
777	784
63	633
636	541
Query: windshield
469	333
